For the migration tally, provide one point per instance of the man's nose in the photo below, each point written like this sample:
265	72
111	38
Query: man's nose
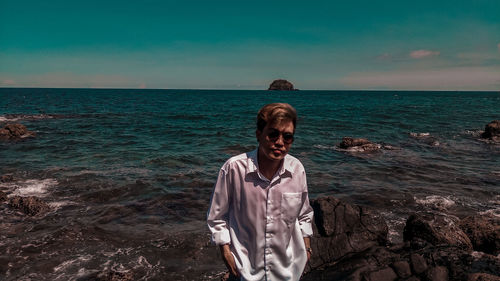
280	141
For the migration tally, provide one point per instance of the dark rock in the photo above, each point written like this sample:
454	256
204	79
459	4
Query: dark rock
435	229
438	273
402	269
6	178
30	205
492	130
483	277
281	85
385	274
342	229
3	196
15	131
418	263
484	233
113	275
358	145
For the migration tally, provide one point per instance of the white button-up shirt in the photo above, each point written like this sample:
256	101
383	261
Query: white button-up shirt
264	221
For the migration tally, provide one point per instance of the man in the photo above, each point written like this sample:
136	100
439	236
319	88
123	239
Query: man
259	213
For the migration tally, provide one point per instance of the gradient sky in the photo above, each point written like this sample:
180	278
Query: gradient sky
421	45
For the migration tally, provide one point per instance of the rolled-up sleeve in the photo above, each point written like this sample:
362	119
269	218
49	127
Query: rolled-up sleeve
306	212
217	215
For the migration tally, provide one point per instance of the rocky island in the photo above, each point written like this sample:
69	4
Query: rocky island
281	85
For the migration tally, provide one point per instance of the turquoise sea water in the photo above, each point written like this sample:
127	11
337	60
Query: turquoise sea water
123	158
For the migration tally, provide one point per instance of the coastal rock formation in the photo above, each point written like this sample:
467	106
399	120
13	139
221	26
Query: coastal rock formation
281	85
30	205
435	229
14	131
435	249
358	145
484	233
492	131
6	178
343	229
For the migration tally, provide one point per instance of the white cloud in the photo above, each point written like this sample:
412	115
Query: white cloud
420	54
7	82
463	78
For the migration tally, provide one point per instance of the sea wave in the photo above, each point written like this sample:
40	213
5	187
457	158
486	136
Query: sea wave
437	202
31	187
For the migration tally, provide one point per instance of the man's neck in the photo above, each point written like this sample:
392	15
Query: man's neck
267	167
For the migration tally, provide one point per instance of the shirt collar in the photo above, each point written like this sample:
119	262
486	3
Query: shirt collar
253	164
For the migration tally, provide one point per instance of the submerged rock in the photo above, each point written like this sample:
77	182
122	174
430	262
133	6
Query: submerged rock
6	178
114	275
492	131
359	145
30	205
281	85
14	131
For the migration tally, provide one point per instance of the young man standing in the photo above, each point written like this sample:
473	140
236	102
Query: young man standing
259	213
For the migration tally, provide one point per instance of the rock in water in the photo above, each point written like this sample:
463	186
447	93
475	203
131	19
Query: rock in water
358	145
492	130
15	131
435	229
30	205
281	85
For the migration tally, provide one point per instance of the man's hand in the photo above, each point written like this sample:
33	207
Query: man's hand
307	242
229	260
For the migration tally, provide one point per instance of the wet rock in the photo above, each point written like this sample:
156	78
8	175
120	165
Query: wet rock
484	233
483	277
385	274
438	273
435	229
281	85
418	263
3	196
358	145
6	178
402	269
14	131
114	275
30	205
343	229
492	131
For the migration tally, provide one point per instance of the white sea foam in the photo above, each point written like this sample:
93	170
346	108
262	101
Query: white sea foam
436	201
76	262
33	187
419	135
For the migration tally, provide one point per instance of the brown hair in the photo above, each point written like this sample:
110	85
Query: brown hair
275	113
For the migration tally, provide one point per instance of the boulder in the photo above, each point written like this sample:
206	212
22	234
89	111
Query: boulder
15	131
492	130
484	233
30	205
436	230
358	145
3	196
6	178
113	275
343	229
281	85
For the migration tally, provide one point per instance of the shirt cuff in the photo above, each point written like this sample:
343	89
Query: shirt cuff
306	229
221	237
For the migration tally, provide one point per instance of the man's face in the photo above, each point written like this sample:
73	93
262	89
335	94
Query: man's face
275	140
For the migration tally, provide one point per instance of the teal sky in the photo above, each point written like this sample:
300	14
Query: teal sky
421	45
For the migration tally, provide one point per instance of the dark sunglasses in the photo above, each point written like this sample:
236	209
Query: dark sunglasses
275	134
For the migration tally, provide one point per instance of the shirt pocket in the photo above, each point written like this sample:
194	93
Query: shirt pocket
290	206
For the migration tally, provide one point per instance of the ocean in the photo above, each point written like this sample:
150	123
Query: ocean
124	168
